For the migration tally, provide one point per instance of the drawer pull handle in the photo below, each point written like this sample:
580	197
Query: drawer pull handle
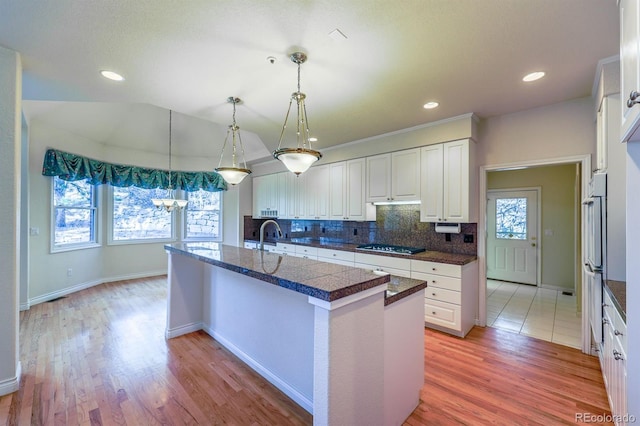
617	355
617	333
433	294
433	312
433	269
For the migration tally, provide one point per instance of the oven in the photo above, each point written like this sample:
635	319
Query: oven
595	251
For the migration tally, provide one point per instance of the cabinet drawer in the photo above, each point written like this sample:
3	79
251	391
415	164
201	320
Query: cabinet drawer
346	256
615	320
442	314
427	267
250	245
306	250
383	261
286	248
443	295
392	271
439	281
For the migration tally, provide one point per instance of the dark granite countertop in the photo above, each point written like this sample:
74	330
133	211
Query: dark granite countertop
325	281
429	255
618	292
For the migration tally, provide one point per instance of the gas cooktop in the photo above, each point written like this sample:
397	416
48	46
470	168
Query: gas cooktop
386	248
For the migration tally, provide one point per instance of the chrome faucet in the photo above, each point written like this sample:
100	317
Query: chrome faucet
262	231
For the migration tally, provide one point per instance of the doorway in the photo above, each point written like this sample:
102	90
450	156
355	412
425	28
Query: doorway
575	251
512	236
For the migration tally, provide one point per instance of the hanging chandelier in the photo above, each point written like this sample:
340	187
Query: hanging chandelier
233	175
169	203
299	159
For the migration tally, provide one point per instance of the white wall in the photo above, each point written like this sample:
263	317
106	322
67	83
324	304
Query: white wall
554	131
10	226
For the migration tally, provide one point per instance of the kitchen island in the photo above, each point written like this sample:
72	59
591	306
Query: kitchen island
320	332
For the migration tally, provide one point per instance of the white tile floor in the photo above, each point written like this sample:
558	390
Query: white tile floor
537	312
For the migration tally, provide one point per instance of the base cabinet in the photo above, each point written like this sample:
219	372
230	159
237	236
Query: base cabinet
451	298
613	360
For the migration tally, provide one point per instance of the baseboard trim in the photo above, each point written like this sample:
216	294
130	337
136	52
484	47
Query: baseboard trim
82	286
13	384
292	393
185	329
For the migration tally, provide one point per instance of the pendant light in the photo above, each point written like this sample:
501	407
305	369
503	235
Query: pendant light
169	203
233	175
299	159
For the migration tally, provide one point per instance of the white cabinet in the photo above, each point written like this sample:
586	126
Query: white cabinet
394	176
339	257
451	296
614	359
265	196
347	191
392	265
630	68
295	195
448	187
317	192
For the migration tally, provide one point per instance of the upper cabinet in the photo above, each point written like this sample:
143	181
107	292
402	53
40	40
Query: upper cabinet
394	176
448	187
347	191
265	196
317	192
630	69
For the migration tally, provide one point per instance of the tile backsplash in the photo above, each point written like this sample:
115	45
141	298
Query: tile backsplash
396	224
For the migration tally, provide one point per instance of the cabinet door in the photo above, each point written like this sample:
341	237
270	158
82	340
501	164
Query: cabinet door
601	136
379	178
317	192
405	175
355	193
337	193
456	181
431	187
629	65
283	179
265	196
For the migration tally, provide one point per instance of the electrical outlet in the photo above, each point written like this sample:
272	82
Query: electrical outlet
69	272
468	238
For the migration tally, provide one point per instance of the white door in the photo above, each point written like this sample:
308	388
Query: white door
512	236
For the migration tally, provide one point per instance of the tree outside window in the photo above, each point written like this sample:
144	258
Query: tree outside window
136	218
74	214
203	218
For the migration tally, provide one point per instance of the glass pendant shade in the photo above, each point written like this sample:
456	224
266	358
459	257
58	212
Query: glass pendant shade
235	174
170	203
299	159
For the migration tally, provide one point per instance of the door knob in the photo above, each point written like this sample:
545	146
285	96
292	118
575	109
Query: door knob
533	244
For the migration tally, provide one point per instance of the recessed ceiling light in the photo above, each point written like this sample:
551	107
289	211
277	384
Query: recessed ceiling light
111	75
431	105
533	76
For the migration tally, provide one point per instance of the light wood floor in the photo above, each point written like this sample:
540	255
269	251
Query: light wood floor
99	357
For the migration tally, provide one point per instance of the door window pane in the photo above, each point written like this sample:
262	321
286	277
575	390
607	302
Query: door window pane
511	218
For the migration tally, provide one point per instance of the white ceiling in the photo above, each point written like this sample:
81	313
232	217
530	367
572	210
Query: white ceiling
190	56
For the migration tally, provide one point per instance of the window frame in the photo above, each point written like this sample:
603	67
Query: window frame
96	194
175	217
183	230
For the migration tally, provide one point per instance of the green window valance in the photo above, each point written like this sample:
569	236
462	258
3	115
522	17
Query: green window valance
72	167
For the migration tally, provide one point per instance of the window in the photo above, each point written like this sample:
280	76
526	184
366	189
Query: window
74	215
203	216
136	219
511	218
